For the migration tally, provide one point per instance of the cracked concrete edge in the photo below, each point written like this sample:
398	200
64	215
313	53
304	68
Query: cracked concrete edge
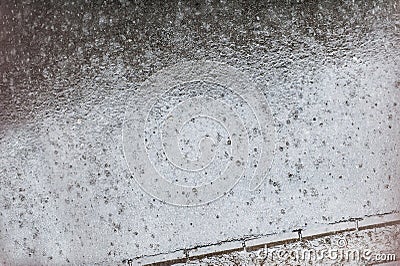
256	242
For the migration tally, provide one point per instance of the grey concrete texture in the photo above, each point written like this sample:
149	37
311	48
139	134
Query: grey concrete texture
374	246
329	72
205	123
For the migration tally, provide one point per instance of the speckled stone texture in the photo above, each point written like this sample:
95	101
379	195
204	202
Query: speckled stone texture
367	247
329	71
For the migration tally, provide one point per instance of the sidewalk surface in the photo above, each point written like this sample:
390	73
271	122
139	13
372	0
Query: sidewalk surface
81	184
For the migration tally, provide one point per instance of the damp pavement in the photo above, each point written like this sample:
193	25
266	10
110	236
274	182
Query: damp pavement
365	247
329	72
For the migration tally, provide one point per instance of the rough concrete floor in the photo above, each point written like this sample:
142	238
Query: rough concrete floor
367	247
328	70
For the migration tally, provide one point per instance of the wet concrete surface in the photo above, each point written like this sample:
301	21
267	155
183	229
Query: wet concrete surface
330	74
366	247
